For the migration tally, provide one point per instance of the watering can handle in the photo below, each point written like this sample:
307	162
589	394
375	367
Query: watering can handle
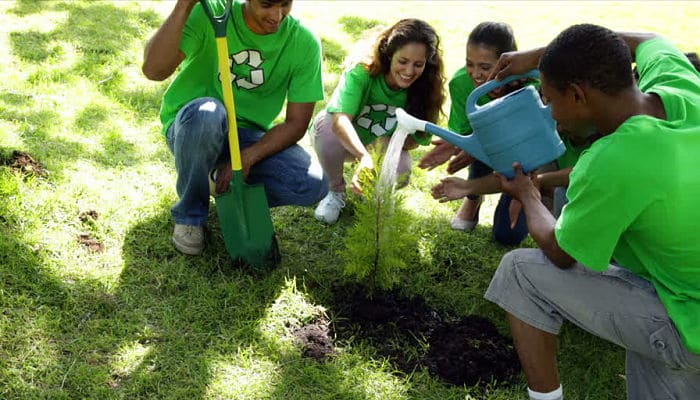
494	84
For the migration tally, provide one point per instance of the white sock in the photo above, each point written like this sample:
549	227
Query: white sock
556	394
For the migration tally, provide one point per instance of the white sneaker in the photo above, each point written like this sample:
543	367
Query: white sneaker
189	239
329	208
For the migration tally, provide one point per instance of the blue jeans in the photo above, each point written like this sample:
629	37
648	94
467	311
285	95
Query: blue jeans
198	139
502	233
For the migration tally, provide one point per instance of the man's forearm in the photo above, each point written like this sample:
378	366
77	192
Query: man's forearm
162	53
634	39
540	224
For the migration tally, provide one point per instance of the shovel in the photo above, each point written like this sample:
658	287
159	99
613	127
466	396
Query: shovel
243	211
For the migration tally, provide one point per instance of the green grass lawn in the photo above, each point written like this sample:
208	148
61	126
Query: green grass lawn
136	319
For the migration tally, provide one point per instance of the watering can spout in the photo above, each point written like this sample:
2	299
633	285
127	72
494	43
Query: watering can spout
469	144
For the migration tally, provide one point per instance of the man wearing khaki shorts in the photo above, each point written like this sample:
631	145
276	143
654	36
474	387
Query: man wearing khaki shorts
623	259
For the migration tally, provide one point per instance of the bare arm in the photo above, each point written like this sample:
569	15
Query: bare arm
519	62
453	188
162	54
540	221
346	134
280	136
553	178
634	39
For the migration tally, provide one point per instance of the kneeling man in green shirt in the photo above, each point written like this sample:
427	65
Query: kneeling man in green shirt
623	259
274	58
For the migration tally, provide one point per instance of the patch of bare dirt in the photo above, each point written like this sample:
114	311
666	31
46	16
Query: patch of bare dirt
91	243
23	163
315	340
89	215
411	334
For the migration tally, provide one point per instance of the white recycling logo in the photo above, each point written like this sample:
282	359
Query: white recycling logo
254	60
380	127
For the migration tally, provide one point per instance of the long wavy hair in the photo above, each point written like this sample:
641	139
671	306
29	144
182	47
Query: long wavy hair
426	95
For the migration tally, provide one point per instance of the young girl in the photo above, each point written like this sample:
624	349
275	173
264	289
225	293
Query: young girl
405	69
485	45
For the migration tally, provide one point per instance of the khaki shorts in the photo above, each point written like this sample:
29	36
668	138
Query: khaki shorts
615	305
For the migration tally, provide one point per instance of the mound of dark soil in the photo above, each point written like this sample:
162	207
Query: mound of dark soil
471	351
315	340
23	163
413	335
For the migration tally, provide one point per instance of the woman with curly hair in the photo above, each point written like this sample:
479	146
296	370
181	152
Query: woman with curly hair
405	69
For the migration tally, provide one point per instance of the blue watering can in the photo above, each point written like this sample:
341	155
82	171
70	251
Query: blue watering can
515	127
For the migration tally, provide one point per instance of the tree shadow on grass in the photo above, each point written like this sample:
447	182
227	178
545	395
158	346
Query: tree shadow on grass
195	310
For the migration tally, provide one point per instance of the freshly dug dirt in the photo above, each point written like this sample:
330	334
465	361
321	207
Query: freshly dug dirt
412	335
90	242
23	163
315	340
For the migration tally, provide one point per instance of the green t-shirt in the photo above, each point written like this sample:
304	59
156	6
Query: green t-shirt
571	155
371	102
634	194
266	69
461	85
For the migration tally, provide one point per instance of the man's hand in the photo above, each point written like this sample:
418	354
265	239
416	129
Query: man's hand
521	186
516	62
463	159
439	155
223	177
366	164
450	188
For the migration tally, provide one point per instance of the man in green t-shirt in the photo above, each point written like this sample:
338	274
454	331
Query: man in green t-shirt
273	58
622	261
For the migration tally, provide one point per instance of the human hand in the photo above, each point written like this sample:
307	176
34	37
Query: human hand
410	143
223	177
438	155
514	63
450	188
462	160
366	165
521	186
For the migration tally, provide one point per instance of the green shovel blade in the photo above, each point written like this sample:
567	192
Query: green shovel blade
245	221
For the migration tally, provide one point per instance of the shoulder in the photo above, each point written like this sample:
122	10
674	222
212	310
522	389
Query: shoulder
461	82
300	33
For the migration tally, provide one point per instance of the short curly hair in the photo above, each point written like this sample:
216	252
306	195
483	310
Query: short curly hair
588	54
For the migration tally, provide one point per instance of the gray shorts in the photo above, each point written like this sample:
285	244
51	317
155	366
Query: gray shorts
615	305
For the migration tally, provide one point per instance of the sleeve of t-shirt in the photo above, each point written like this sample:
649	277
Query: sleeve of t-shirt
458	121
194	31
602	204
306	85
349	94
660	63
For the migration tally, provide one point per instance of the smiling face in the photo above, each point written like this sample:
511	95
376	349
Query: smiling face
481	60
569	109
263	16
407	65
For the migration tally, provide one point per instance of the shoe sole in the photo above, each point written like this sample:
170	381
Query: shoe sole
188	250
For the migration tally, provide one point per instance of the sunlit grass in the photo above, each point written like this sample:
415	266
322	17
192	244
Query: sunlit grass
138	320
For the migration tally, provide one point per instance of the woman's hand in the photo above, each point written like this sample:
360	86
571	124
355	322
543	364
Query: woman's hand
463	159
450	188
439	155
366	165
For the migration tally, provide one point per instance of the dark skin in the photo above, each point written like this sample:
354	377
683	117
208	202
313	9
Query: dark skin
582	111
162	56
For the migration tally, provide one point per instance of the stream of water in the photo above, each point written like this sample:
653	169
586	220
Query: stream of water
387	177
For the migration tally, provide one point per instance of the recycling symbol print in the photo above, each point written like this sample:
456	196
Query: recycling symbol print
379	119
247	58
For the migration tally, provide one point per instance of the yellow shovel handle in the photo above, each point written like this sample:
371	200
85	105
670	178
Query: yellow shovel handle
225	74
